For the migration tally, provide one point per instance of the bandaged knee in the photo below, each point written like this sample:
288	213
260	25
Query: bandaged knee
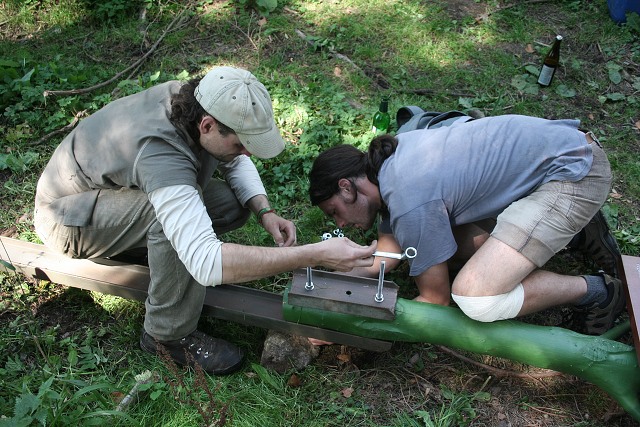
494	307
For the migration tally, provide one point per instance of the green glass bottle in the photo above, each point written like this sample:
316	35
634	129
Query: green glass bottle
382	119
550	64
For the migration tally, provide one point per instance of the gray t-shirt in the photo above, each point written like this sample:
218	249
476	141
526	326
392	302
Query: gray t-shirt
440	178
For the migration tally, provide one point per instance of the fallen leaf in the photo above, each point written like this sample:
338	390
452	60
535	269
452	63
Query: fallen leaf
294	381
315	341
638	124
591	116
337	72
529	48
117	397
345	358
262	22
347	392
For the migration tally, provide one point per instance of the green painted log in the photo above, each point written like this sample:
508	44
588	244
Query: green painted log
611	365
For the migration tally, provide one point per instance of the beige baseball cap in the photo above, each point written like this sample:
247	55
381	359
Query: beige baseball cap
238	100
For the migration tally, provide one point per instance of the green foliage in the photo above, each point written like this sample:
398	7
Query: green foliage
628	238
21	96
63	397
633	23
268	378
157	389
526	83
114	11
52	405
27	111
18	162
318	125
7	265
263	7
146	80
458	412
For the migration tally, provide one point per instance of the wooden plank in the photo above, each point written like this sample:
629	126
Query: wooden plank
631	277
235	303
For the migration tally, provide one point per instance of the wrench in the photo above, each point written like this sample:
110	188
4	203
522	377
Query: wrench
409	253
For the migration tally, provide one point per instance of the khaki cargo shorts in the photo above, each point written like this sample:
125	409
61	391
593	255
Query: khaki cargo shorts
541	224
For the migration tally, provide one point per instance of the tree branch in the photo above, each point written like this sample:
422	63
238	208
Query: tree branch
497	371
337	55
63	129
121	73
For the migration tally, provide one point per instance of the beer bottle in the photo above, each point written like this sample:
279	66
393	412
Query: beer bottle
382	119
550	63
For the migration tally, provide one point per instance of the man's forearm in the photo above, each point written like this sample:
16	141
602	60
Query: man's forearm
246	263
258	202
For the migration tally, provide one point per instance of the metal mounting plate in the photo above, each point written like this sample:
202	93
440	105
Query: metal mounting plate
343	294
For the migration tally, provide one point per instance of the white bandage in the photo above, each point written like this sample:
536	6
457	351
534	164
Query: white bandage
494	307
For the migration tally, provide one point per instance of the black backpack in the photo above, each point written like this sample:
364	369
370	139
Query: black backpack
411	118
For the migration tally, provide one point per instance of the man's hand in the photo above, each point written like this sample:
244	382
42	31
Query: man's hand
342	254
386	243
282	230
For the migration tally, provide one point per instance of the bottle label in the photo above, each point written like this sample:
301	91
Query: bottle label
545	75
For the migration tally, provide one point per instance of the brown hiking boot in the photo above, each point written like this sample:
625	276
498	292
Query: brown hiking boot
596	241
599	318
216	356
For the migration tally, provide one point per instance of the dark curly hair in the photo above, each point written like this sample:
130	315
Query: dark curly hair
346	161
187	112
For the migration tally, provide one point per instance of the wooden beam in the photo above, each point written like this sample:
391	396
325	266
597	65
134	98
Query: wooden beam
631	278
235	303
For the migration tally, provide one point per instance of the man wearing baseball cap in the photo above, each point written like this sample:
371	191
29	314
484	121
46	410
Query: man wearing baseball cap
138	174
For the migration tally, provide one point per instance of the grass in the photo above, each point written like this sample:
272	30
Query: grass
66	354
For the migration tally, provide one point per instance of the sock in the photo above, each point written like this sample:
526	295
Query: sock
596	291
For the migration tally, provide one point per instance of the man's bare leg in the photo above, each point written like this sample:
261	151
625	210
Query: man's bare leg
496	269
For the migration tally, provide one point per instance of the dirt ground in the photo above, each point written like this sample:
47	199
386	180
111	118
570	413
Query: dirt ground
409	377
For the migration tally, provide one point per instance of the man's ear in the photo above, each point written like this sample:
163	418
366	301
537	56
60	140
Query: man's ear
347	190
207	124
344	185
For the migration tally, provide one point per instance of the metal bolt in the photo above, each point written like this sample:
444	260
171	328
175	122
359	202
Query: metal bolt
309	285
379	297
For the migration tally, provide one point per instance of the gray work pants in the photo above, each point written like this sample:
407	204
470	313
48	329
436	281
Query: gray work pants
125	220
